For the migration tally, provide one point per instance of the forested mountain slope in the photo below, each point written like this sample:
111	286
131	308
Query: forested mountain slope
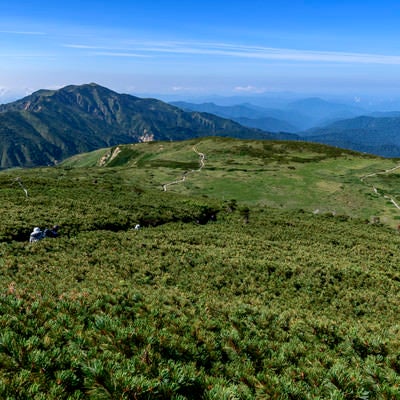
375	135
51	125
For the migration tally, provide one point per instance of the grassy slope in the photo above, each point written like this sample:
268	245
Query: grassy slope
288	305
273	174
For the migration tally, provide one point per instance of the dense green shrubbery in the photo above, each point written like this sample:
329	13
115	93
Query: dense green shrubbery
89	203
257	304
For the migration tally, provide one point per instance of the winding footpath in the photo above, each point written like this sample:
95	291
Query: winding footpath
362	178
387	171
186	173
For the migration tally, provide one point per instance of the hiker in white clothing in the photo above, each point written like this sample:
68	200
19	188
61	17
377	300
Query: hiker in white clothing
36	235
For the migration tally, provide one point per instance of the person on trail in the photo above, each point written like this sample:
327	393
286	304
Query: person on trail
51	233
36	235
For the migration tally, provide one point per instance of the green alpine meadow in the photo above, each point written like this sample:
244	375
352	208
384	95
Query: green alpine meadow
209	268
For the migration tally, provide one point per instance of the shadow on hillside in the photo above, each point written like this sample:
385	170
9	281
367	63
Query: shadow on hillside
22	234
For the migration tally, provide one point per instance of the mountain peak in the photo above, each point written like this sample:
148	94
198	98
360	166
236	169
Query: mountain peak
86	86
51	125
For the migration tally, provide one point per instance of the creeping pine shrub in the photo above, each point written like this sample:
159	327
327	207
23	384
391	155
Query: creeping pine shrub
290	305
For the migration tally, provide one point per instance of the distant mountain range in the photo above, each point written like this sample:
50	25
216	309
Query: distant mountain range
295	116
51	125
380	136
335	124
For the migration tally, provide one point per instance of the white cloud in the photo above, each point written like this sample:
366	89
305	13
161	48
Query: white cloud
270	53
82	46
140	49
107	51
23	32
249	89
183	88
119	54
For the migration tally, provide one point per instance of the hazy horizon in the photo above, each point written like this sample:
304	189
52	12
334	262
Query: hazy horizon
336	49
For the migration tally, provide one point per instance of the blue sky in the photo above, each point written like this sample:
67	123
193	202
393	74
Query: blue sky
188	47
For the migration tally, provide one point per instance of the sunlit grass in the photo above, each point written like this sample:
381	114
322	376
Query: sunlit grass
209	299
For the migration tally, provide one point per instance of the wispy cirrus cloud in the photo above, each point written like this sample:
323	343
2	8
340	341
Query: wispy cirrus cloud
120	54
140	49
107	52
81	46
29	33
26	55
